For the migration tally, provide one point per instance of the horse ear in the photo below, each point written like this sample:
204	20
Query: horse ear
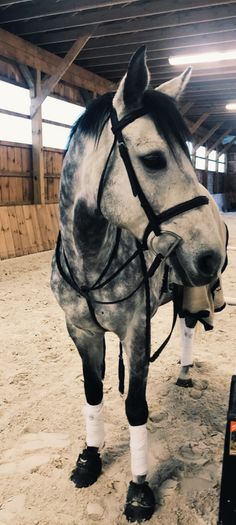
134	83
175	87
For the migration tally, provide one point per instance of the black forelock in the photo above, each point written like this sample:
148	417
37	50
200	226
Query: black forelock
162	109
167	119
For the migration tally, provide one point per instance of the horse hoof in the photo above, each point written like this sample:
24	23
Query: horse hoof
186	383
140	502
88	468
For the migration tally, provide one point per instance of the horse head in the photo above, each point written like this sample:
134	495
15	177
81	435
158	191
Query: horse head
148	125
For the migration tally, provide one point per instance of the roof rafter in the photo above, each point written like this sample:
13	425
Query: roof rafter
49	83
14	47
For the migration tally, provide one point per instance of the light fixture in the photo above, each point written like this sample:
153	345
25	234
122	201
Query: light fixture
231	106
203	57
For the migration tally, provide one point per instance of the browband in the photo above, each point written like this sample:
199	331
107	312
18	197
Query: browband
118	125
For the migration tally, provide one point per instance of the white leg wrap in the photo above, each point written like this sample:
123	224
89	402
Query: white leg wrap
138	450
94	425
186	344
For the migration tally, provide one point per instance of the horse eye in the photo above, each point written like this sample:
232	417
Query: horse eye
154	161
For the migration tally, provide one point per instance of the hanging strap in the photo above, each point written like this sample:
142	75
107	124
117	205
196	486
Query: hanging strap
121	371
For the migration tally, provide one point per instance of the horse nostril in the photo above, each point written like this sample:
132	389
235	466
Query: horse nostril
208	263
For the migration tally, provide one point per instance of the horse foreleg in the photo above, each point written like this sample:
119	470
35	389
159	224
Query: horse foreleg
140	502
91	349
187	326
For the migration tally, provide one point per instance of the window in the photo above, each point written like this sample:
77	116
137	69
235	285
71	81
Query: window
15	129
212	162
222	163
200	158
58	117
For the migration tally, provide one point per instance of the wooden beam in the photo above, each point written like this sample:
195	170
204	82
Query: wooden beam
48	84
226	147
26	73
14	47
199	121
219	140
142	15
10	2
159	47
37	146
200	32
184	109
209	134
46	8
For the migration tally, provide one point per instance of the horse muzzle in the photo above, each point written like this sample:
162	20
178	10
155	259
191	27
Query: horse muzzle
198	270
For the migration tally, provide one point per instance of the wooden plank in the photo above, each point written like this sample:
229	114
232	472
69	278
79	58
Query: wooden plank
3	158
22	230
26	159
3	245
49	227
15	190
30	229
37	232
27	229
4	182
27	190
43	226
6	229
18	160
15	230
57	163
56	190
11	158
12	190
54	219
14	47
52	81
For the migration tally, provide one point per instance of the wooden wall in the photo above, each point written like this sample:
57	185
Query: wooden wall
16	181
27	229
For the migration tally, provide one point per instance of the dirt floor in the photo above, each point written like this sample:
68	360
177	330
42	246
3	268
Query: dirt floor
42	429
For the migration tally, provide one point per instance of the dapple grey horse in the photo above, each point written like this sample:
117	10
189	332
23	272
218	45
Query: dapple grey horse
130	208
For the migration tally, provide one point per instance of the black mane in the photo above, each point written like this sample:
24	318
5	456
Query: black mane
92	121
162	108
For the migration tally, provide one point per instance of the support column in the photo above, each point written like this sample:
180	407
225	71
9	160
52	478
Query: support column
37	144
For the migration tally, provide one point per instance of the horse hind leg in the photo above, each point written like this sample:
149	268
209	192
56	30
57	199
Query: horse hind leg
92	351
187	326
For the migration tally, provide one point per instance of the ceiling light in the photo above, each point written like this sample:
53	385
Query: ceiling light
231	107
203	57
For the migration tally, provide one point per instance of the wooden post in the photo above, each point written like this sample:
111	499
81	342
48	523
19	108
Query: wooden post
37	145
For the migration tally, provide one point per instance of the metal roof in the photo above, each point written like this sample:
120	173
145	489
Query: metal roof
167	27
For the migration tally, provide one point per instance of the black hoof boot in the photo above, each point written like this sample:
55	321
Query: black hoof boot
88	468
186	383
140	502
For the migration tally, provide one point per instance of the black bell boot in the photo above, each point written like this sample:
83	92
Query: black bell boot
140	502
88	468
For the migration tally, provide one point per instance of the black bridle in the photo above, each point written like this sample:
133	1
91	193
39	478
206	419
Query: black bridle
154	223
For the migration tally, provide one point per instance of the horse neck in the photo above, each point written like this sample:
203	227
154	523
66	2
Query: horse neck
87	236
